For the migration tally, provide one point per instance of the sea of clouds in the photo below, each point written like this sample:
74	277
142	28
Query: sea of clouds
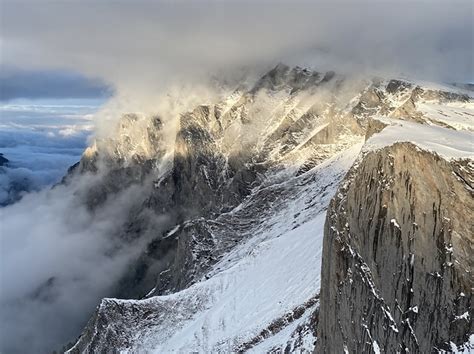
41	139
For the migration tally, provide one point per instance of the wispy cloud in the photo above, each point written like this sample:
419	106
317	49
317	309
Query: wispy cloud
58	260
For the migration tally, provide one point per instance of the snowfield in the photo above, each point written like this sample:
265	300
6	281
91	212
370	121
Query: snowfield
448	143
457	115
271	280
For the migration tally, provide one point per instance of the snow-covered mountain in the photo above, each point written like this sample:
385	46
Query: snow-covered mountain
232	219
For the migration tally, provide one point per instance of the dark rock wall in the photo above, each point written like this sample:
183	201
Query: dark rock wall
397	256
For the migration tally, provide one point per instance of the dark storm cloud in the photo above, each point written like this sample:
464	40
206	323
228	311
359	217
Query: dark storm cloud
17	83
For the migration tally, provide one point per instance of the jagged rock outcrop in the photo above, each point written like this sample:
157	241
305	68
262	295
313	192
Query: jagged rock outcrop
403	99
398	255
221	152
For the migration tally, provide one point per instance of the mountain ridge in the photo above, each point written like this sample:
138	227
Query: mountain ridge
235	166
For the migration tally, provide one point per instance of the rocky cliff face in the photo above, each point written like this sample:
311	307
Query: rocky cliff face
397	264
288	121
231	217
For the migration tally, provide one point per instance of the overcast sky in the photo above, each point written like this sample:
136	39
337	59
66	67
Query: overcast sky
48	84
143	46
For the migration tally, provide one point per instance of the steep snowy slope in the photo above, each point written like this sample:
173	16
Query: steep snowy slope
264	284
241	195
